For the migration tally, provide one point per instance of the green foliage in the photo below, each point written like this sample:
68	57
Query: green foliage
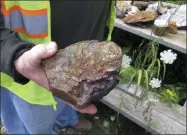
145	66
179	89
169	97
127	75
139	80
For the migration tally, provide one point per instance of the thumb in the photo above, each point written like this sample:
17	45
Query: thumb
42	51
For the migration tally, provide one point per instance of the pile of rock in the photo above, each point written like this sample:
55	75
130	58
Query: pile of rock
147	12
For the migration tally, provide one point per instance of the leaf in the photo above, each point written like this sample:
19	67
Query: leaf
164	72
169	97
158	72
138	81
145	91
127	74
126	49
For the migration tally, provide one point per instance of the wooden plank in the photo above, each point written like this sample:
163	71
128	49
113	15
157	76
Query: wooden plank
130	90
177	112
174	41
166	124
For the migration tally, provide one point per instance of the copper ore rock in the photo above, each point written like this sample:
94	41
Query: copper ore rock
83	72
143	16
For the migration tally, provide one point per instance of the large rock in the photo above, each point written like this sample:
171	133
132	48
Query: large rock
84	72
143	16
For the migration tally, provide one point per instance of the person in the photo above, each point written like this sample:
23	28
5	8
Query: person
31	31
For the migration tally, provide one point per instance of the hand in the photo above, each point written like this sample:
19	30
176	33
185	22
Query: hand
29	65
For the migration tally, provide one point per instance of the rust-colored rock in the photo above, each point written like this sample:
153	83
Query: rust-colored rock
143	16
83	72
172	27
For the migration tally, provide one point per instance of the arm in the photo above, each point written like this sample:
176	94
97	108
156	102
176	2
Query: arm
11	48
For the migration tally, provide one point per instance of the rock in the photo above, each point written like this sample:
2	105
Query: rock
141	5
177	15
123	6
133	10
157	7
119	14
169	5
172	27
83	72
143	16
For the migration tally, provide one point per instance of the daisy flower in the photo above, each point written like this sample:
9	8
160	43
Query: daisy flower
168	56
155	83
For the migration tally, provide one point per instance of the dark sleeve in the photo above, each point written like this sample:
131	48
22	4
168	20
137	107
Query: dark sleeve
11	48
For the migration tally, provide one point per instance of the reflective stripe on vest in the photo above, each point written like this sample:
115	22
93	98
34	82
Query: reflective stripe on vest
24	17
33	24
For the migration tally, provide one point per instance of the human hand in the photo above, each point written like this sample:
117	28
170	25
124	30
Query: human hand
29	65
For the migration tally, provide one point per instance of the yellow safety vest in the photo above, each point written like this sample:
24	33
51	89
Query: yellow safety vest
31	19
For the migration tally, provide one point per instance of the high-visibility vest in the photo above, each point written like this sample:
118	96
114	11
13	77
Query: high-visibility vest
31	19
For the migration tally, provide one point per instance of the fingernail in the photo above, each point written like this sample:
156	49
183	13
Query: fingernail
50	45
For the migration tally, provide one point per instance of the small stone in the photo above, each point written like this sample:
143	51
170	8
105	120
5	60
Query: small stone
143	16
141	4
133	10
123	6
157	7
172	27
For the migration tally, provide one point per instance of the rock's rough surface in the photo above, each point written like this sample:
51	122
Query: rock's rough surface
84	71
172	27
143	16
141	5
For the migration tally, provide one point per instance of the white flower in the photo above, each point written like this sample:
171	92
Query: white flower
168	56
96	117
126	61
112	118
106	123
155	83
